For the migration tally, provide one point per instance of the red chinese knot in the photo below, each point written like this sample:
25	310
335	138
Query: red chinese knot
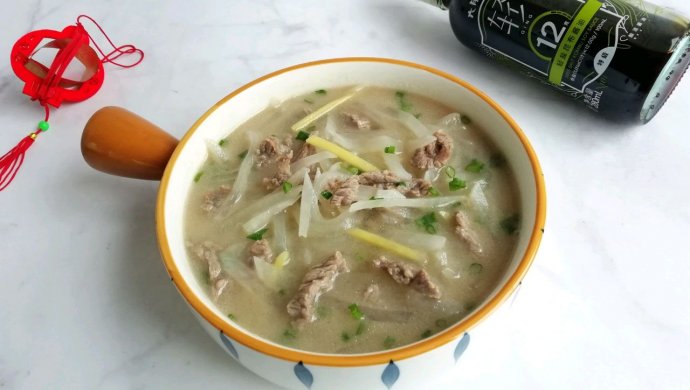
46	84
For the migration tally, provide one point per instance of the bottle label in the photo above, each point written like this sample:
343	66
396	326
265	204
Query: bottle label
571	46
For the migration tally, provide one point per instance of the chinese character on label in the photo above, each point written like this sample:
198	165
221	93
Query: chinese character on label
493	20
504	14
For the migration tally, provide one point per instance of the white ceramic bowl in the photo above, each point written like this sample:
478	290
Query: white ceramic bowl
403	367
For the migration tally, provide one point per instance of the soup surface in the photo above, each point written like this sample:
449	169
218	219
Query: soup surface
352	220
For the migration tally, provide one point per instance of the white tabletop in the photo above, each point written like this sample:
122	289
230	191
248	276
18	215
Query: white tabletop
85	302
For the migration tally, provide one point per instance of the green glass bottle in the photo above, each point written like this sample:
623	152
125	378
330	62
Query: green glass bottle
621	58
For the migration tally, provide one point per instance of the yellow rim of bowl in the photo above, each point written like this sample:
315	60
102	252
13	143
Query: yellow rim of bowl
382	357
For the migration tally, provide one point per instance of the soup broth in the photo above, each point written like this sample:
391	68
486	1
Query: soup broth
352	220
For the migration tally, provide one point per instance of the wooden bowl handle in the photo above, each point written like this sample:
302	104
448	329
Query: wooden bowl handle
119	142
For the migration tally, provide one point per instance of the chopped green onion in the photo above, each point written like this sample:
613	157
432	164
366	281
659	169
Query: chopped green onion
427	223
197	177
418	115
361	328
389	149
474	166
465	119
497	160
476	268
426	334
281	292
434	192
359	257
388	342
231	316
400	183
326	194
257	235
344	336
355	312
320	92
353	170
307	100
243	154
456	184
290	333
375	198
441	323
511	224
302	135
287	186
222	142
402	101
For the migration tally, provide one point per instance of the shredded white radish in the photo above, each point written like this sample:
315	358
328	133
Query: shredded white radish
369	192
262	219
337	167
413	124
311	160
265	272
306	206
279	232
477	199
240	185
326	177
366	192
222	176
260	204
431	202
297	176
269	273
215	152
362	143
319	225
386	117
389	194
330	131
395	165
417	143
431	174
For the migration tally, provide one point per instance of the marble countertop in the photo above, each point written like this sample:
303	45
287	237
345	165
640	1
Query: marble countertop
85	302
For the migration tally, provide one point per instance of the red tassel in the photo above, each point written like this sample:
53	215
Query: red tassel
46	84
12	160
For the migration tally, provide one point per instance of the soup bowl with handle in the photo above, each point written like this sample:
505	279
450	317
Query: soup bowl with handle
119	142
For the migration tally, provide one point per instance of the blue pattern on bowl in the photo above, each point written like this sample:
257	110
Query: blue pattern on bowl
228	345
304	375
462	346
390	374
